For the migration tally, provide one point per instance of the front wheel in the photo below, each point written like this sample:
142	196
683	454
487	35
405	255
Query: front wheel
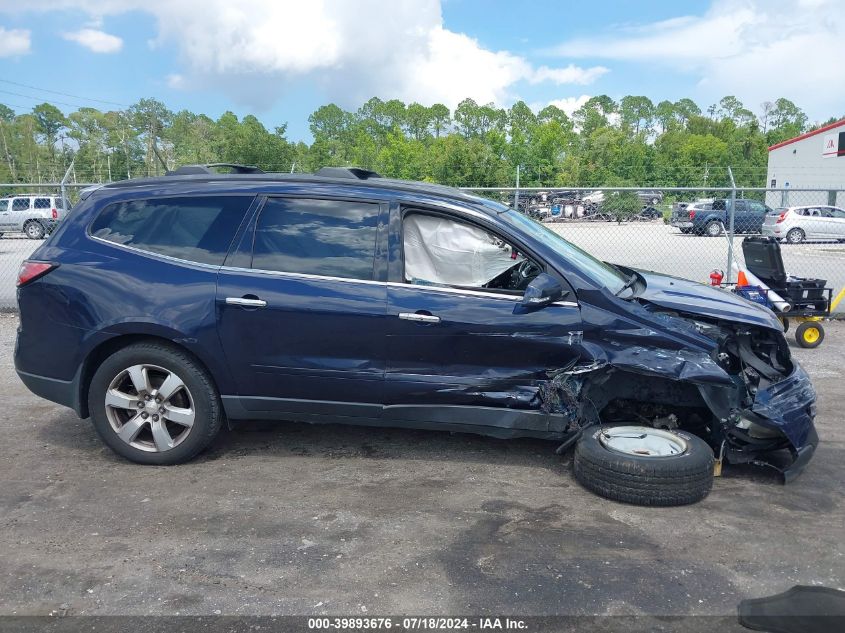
644	466
154	404
809	334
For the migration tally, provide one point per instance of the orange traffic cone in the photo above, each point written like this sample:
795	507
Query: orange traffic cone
741	280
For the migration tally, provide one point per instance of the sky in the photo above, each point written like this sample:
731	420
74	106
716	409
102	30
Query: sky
282	59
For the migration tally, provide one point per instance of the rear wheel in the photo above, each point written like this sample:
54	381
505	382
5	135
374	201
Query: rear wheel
795	236
713	228
154	404
644	466
34	230
809	334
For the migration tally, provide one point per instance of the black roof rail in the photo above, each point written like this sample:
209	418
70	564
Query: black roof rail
347	172
189	170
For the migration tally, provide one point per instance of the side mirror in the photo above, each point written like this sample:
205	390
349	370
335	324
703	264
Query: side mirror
542	291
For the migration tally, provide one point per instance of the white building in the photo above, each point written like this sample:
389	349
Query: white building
815	160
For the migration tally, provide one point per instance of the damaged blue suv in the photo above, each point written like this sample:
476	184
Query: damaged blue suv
163	307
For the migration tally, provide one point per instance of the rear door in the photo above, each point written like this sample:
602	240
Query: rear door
458	352
755	215
301	312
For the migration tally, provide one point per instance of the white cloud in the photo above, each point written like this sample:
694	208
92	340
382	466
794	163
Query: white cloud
756	49
95	40
176	81
14	42
570	75
569	104
354	50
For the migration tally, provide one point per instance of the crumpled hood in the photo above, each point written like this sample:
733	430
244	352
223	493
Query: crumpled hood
688	296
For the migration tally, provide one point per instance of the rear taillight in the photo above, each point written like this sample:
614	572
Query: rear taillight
30	271
55	214
781	217
692	214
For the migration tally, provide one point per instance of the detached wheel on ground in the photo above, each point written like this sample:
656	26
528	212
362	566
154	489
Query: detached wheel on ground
809	334
34	230
154	404
644	466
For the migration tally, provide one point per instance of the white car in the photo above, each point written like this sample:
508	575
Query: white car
593	198
796	224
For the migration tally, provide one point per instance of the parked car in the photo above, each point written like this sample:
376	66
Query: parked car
593	198
34	215
162	307
712	218
651	197
796	224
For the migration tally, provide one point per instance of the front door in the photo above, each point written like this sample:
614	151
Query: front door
302	318
458	350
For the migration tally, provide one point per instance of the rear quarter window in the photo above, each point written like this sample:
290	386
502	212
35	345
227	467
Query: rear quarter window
198	229
42	203
331	238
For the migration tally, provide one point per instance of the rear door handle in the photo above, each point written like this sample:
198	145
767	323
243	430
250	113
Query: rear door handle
421	318
246	301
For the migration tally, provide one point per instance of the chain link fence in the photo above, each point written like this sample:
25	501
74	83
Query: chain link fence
688	232
680	231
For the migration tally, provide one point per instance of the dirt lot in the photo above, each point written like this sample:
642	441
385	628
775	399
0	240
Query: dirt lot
298	519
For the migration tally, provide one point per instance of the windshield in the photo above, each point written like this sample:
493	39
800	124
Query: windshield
602	274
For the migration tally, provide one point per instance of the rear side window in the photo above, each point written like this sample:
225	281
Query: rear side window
42	203
332	238
20	204
198	229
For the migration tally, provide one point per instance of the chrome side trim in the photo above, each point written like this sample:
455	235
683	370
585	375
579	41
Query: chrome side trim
304	276
142	251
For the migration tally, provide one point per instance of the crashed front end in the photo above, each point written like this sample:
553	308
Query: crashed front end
772	407
732	383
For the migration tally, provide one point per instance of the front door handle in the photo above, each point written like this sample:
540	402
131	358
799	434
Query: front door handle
249	302
419	317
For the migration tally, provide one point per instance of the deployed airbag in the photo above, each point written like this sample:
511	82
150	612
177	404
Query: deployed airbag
442	251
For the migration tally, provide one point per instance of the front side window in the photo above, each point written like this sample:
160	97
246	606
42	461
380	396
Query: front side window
444	252
331	238
20	204
198	229
834	213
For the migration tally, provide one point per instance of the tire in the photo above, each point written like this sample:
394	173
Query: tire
809	334
686	231
193	399
643	480
713	229
34	230
785	322
795	236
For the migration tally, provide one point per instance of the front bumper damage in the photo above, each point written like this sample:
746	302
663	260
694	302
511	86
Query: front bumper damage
780	420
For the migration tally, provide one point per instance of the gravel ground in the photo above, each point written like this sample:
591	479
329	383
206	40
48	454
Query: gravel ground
299	519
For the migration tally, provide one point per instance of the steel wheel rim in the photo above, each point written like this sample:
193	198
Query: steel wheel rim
150	408
32	231
811	334
643	441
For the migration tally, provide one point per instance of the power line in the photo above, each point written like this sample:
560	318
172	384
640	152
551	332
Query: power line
18	94
65	94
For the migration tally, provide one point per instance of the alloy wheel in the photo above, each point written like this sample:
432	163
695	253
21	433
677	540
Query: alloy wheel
150	408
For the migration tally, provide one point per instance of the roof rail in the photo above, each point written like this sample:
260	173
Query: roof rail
347	172
188	170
